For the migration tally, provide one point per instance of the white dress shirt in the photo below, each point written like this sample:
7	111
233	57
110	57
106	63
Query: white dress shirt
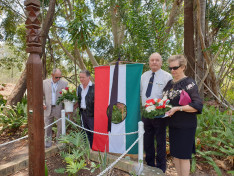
161	78
54	89
83	94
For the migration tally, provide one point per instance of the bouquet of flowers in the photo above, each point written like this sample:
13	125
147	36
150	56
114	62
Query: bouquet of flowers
67	94
156	108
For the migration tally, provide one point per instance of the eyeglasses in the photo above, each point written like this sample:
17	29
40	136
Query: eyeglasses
58	77
174	68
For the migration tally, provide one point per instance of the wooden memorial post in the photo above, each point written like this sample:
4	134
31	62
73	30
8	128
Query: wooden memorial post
35	90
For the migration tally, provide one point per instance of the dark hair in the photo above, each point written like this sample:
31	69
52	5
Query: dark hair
86	72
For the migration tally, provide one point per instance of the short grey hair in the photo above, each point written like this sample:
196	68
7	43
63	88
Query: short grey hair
56	70
180	58
86	72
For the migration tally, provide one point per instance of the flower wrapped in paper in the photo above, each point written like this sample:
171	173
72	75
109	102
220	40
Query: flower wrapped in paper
156	108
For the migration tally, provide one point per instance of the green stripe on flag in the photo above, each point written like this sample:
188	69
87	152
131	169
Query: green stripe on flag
133	77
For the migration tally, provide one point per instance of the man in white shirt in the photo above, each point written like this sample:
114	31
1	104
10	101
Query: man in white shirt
51	89
85	94
152	84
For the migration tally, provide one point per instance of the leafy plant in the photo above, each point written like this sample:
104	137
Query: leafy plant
76	152
214	137
46	169
119	113
12	117
102	159
2	100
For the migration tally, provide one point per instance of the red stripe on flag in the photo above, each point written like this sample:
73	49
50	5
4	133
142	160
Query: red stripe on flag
101	101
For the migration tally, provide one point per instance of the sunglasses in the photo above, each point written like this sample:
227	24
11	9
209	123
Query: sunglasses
58	77
174	68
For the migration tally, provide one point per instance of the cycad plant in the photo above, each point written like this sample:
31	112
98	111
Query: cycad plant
76	152
214	139
13	117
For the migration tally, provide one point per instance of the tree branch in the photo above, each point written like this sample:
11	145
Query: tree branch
173	15
92	59
210	65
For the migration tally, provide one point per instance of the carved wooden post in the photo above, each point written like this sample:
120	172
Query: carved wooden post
34	90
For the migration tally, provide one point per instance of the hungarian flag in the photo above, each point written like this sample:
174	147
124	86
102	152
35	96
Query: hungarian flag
125	84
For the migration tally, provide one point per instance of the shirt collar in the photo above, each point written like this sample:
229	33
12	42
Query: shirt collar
156	71
89	84
53	81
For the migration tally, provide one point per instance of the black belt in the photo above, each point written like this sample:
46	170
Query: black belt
53	106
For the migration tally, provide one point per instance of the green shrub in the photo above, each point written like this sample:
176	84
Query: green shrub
2	100
76	152
12	117
214	136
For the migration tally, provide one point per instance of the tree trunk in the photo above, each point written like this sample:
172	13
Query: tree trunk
18	91
44	70
20	88
189	37
212	78
117	27
91	57
199	54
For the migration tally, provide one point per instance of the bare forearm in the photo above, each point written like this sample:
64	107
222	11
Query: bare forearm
185	108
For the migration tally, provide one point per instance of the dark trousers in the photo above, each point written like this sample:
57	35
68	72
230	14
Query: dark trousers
155	128
88	123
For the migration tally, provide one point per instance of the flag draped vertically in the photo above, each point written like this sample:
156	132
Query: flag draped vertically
128	93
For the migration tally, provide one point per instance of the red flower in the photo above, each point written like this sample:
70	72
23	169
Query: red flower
159	107
158	100
150	101
66	88
60	92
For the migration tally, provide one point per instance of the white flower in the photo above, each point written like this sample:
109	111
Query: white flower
160	103
64	91
156	100
164	98
149	104
169	106
150	108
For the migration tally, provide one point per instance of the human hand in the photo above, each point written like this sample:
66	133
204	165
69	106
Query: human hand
171	111
76	105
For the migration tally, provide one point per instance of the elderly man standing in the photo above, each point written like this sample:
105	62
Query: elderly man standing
85	93
152	84
51	89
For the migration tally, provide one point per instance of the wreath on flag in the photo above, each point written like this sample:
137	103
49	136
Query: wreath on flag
156	108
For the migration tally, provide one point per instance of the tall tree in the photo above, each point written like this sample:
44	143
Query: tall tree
189	37
20	86
199	23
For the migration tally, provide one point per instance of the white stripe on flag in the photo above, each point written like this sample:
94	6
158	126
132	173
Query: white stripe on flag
122	84
112	67
117	144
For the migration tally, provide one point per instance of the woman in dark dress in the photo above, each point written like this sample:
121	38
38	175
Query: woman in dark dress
182	121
